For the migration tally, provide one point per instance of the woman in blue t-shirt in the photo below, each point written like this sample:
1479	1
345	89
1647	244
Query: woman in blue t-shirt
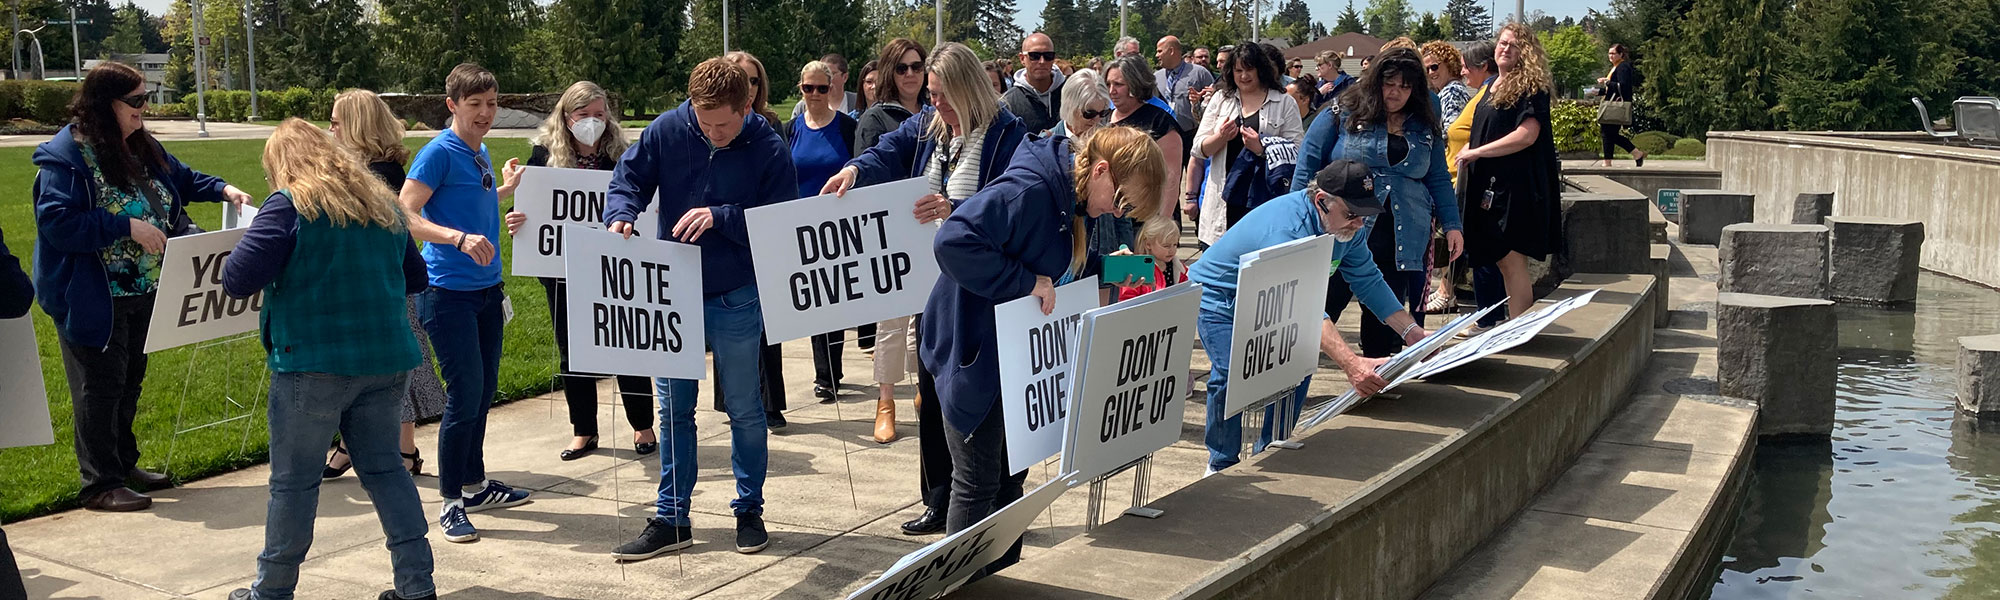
822	141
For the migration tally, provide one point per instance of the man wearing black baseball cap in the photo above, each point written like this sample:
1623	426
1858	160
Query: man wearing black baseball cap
1337	201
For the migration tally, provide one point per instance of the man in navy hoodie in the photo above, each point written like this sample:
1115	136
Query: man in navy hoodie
709	159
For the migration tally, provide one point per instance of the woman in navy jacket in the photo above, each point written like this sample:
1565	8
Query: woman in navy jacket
1022	235
106	199
961	144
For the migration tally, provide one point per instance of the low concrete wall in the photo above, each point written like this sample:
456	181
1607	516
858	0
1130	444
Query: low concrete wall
1952	190
1383	500
1663	175
1607	226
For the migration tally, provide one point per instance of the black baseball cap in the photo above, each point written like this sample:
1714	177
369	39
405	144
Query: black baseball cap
1351	181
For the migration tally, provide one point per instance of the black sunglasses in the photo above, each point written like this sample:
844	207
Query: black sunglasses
485	172
814	89
1041	56
909	67
135	100
1096	114
1431	68
757	81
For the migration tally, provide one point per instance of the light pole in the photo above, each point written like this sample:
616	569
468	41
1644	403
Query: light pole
1121	23
75	43
939	9
725	26
1256	8
250	48
200	72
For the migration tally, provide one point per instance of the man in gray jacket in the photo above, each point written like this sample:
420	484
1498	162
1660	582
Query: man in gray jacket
1036	96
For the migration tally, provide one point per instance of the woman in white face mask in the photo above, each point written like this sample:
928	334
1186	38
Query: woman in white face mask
582	133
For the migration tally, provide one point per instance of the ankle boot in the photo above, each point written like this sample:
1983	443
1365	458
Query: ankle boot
885	421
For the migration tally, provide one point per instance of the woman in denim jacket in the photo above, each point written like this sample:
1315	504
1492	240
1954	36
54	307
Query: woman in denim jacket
1390	123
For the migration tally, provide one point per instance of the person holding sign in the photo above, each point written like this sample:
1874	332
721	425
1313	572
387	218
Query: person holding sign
1387	123
107	198
1337	201
1023	235
363	124
702	202
960	145
822	141
453	205
580	134
334	258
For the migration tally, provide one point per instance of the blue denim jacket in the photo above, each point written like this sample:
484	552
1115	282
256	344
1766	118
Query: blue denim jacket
1420	186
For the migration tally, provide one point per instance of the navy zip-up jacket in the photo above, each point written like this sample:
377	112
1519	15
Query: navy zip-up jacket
17	293
991	249
675	159
71	230
903	153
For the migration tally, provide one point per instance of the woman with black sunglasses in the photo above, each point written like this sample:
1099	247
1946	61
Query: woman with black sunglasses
106	200
822	141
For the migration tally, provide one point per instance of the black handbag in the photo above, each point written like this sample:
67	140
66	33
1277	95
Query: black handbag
178	222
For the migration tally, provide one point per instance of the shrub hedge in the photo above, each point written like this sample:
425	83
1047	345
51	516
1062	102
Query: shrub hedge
273	105
1654	142
1575	126
43	101
1689	147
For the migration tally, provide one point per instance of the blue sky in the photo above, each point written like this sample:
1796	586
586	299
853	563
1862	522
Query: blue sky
1030	13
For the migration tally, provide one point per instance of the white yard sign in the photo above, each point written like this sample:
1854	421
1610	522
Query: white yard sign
948	563
1280	302
24	403
552	198
635	305
190	306
1036	352
1132	380
825	263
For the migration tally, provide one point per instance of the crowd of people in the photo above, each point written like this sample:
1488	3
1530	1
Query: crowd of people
1428	159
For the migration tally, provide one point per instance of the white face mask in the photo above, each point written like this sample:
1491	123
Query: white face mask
587	130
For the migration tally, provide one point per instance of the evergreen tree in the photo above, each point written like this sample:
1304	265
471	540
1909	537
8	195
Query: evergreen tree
1468	19
1294	14
128	33
1972	23
180	53
618	45
1062	22
432	36
1387	18
1350	21
1429	28
993	26
315	44
1716	67
1856	63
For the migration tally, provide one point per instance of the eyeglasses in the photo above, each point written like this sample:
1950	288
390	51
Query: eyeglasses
814	89
1431	68
909	67
1096	114
485	171
757	81
1041	56
135	100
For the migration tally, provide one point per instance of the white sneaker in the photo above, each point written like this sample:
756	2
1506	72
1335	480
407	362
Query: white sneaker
1471	332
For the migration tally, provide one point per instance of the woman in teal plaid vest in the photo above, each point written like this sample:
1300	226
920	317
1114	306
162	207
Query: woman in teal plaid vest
333	256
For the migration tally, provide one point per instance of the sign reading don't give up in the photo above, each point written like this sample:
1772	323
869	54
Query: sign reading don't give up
825	263
191	306
552	198
635	305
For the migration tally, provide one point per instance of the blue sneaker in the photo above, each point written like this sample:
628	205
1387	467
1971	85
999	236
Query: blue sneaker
496	495
457	528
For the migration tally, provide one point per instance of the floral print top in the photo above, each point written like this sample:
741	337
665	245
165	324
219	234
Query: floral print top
130	269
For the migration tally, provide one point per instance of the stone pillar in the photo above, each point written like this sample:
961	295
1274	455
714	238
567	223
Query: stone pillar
1662	263
1705	212
1874	259
1779	353
1979	376
1812	208
1774	260
1607	234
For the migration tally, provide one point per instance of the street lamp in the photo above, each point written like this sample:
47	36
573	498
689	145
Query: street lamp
250	49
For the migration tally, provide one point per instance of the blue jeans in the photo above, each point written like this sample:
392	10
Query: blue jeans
465	329
1225	436
735	326
306	408
1488	288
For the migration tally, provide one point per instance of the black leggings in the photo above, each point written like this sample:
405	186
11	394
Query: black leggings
1614	137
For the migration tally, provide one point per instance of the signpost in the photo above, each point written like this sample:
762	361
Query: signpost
1037	353
825	263
635	306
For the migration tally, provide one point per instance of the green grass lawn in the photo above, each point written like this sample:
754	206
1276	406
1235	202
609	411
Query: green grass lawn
228	380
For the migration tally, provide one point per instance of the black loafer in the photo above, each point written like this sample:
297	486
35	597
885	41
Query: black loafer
824	393
775	420
932	521
645	448
569	454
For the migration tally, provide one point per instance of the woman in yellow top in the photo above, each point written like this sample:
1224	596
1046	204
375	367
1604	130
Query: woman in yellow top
1478	70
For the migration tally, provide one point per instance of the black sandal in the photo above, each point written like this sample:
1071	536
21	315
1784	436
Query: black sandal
416	462
331	473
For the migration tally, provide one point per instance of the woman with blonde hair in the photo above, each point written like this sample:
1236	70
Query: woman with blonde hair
364	125
332	254
583	133
959	144
1511	173
1021	236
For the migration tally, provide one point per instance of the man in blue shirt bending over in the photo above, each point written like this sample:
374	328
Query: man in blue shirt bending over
1338	200
709	160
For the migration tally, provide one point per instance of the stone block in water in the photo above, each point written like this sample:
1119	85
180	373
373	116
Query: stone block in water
1811	208
1774	260
1607	234
1705	212
1979	376
1779	353
1875	260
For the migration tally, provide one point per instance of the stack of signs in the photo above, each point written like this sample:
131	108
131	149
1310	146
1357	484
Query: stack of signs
933	570
1280	300
825	263
1411	364
635	305
1036	353
191	306
24	403
552	198
1132	377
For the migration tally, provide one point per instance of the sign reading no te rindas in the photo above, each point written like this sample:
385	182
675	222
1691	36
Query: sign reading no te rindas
827	263
191	306
1133	376
635	305
1280	295
552	198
